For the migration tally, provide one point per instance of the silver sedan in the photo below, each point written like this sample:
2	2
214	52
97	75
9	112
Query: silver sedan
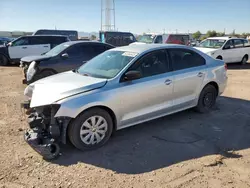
117	89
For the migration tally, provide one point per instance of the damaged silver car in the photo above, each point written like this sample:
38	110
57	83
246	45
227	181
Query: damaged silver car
117	89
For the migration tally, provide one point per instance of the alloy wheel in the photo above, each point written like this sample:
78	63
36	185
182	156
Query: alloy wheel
93	130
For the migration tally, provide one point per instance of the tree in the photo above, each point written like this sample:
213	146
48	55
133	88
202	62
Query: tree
211	33
203	37
197	35
93	37
220	34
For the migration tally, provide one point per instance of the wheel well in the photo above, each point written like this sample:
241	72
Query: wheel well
219	57
215	85
246	55
43	70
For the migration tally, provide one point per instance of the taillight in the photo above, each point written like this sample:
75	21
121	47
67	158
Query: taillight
225	65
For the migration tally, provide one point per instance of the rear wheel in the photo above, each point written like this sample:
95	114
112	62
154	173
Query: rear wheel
244	60
207	99
91	129
3	60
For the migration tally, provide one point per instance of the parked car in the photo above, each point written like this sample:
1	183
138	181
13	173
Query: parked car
117	89
28	45
72	34
163	39
64	57
4	40
230	50
116	38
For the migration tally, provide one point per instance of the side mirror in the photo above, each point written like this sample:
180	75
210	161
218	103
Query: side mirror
8	44
132	75
65	56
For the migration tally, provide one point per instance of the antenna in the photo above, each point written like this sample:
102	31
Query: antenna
108	9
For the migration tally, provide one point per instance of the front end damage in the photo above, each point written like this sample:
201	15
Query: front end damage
46	131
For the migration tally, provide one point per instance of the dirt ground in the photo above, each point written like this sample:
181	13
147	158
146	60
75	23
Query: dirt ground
186	149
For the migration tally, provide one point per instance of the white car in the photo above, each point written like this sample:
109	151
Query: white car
230	50
29	45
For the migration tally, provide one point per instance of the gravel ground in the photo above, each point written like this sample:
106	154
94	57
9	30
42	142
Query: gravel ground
182	150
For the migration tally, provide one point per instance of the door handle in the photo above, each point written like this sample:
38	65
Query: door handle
200	74
45	46
168	82
24	47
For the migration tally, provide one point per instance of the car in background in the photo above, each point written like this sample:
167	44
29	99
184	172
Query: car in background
116	38
228	49
4	40
119	88
72	34
163	39
29	45
64	57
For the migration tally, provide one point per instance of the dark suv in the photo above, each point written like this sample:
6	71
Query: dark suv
64	57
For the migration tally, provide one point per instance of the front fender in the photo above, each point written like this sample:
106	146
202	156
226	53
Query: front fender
73	106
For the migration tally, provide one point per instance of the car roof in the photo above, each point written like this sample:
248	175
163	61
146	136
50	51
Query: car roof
84	42
139	48
222	38
45	36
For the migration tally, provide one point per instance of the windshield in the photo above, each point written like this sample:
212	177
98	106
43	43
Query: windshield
146	38
212	43
57	49
107	65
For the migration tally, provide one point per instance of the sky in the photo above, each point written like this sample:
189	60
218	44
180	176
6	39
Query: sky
136	16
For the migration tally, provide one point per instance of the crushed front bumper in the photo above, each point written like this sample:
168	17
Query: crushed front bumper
45	147
46	133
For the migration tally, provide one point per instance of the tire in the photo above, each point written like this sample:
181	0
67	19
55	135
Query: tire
83	141
42	74
244	60
207	99
3	60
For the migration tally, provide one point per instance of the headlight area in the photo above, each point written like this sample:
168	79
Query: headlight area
46	131
31	71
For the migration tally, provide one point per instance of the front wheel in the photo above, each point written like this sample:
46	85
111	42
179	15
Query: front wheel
207	99
3	60
91	129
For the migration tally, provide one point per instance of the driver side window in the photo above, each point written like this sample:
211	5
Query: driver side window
152	64
21	42
229	45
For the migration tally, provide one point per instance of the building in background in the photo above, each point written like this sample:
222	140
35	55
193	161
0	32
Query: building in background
14	34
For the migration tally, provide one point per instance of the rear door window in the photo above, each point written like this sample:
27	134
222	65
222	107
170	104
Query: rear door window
54	40
184	59
238	43
88	51
37	41
99	48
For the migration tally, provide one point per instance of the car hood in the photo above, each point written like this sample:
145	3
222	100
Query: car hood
206	50
35	58
51	89
137	43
